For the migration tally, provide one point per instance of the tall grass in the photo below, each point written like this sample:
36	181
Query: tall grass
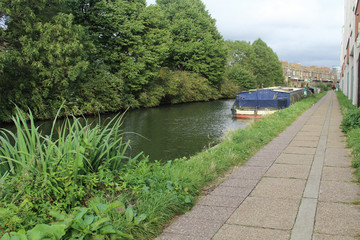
351	126
63	162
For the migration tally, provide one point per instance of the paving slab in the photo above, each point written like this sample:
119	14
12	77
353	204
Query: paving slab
288	171
300	150
266	213
336	152
306	138
194	228
337	157
213	213
221	201
236	232
332	191
334	135
231	191
332	237
316	118
336	144
337	174
313	134
312	128
316	121
254	173
175	236
334	161
279	188
298	143
260	163
269	152
236	182
296	159
337	219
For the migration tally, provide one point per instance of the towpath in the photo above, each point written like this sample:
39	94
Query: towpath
299	187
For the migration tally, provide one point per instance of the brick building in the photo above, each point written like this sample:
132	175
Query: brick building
297	75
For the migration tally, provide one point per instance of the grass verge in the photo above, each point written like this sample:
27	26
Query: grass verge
80	192
351	126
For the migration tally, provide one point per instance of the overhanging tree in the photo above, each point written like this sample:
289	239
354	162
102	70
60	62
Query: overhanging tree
44	55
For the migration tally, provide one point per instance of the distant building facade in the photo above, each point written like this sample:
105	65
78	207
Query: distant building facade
337	71
350	52
297	75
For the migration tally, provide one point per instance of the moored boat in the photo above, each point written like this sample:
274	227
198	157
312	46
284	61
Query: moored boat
259	102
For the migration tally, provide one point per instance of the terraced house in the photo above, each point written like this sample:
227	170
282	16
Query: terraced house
298	75
350	52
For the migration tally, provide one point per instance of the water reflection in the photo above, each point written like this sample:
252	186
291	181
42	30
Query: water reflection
170	132
180	130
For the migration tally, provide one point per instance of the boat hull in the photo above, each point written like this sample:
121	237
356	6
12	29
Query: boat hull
239	113
261	102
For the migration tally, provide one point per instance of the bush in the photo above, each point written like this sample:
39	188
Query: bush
229	89
350	125
351	120
322	86
353	141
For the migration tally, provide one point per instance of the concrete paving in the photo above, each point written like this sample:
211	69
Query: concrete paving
298	187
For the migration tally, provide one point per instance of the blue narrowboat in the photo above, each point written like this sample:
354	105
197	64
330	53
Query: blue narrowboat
259	102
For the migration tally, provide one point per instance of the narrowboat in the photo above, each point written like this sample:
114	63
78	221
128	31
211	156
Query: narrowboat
259	102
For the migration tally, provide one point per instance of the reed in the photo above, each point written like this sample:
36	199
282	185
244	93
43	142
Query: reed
62	163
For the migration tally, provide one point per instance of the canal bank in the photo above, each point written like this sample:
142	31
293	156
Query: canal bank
170	131
299	186
148	194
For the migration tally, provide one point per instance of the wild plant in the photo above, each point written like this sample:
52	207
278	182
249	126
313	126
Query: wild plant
63	169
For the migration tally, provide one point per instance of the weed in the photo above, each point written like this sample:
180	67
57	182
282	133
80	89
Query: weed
350	126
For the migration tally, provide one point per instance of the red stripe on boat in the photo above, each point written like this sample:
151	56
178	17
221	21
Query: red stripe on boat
247	116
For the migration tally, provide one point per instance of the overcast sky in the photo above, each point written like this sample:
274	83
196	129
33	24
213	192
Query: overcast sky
301	31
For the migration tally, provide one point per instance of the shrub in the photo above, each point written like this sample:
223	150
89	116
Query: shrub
351	120
322	86
350	125
353	141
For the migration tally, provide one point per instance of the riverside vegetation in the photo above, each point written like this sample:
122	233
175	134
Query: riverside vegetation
77	183
351	127
104	56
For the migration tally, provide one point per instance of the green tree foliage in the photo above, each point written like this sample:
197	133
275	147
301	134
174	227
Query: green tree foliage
253	65
107	55
156	40
197	45
45	54
240	69
174	86
116	30
267	66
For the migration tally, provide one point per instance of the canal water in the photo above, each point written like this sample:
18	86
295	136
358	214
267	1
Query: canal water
174	131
